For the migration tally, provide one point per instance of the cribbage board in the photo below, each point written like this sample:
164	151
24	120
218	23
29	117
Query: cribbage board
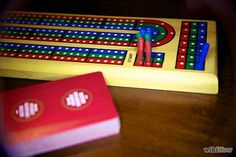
51	46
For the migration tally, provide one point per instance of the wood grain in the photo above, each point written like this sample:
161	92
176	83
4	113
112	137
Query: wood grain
154	122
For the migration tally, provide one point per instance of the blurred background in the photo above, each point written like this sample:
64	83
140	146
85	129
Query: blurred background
204	9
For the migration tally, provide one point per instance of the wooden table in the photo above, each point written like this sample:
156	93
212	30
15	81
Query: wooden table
159	123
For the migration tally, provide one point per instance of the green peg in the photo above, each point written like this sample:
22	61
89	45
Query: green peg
147	37
138	35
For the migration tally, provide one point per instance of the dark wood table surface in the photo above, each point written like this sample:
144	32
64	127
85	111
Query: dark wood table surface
154	122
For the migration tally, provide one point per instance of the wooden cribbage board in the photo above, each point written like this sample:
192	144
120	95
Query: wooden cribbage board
51	46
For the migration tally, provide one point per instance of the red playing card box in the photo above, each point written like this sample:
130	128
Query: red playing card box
57	114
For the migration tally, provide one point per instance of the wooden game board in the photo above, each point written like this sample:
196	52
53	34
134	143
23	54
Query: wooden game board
51	46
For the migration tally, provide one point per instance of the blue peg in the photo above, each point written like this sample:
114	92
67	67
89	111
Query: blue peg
200	64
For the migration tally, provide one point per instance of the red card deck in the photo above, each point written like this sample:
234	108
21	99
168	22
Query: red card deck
58	114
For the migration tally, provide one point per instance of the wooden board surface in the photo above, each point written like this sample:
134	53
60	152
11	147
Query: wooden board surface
166	77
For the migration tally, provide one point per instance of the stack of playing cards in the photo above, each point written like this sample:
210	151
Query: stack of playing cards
57	114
